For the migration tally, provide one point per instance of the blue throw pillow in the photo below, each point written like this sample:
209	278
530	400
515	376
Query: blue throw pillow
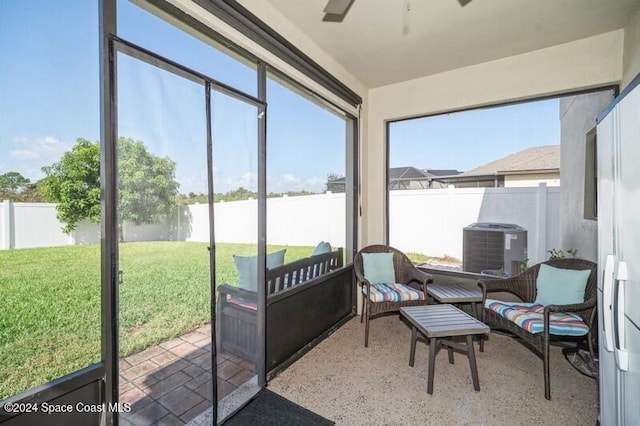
556	286
276	258
322	248
247	268
378	268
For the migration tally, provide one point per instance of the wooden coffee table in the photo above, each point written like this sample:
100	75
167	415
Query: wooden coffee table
457	294
439	323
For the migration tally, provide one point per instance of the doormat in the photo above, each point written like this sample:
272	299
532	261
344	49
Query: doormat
582	361
269	408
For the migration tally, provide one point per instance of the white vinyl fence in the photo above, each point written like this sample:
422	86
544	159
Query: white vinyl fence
431	221
423	221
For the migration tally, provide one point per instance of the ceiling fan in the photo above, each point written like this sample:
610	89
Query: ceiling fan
336	10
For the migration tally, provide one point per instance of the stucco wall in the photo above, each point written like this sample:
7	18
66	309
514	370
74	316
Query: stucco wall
631	56
587	63
577	115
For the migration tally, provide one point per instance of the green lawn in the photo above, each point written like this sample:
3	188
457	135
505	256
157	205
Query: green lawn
50	303
418	258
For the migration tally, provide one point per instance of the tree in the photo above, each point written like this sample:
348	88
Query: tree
13	182
237	194
15	187
147	187
146	184
335	182
74	183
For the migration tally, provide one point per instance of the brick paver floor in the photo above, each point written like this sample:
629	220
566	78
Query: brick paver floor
170	384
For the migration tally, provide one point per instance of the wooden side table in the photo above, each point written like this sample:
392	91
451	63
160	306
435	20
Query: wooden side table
439	323
456	293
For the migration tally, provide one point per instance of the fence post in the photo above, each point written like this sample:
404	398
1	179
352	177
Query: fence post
7	226
541	221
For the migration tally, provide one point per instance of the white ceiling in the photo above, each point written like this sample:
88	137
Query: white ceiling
386	41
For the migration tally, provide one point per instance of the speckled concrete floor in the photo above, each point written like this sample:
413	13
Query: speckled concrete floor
343	381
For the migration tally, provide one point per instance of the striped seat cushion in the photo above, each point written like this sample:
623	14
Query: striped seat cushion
393	293
249	304
530	317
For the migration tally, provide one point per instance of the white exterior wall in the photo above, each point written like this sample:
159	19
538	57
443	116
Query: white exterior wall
549	179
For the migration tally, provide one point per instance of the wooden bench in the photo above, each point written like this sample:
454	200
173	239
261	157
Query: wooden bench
236	308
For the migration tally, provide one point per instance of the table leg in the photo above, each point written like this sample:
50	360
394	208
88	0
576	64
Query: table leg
433	348
450	350
474	309
412	351
477	313
472	362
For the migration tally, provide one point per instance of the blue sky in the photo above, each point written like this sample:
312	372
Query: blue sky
49	97
468	139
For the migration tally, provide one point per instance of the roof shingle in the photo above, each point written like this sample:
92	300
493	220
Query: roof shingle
530	160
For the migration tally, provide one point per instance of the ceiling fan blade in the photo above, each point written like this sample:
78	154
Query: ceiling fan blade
337	7
464	2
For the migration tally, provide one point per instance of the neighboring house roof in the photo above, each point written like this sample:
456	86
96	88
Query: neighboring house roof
413	173
410	173
406	173
442	172
539	159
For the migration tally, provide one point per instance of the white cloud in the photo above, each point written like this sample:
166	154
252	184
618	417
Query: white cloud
27	155
194	182
289	182
248	181
22	154
47	148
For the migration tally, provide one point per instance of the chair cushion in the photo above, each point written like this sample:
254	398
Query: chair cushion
530	317
393	293
247	268
249	304
378	268
322	248
557	286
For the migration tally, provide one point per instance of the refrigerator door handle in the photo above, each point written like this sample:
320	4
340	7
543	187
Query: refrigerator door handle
622	354
607	302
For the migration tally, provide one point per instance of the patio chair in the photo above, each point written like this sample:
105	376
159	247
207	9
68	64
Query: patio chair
538	322
405	285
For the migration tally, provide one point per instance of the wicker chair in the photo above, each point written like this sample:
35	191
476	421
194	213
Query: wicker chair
524	286
405	273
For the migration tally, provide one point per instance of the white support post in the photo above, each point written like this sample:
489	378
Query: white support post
7	226
541	228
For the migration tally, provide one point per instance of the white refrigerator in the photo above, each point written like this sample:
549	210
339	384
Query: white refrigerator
618	159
